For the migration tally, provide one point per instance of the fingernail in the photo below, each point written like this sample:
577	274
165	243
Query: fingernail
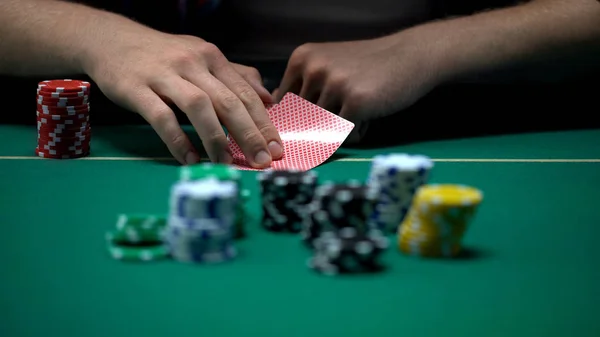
262	158
275	149
191	158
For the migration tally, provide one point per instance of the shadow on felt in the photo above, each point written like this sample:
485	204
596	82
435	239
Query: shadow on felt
142	141
472	253
334	157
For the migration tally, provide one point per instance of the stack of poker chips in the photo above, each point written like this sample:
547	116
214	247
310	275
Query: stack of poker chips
337	231
63	121
394	179
201	220
137	237
221	172
438	220
285	197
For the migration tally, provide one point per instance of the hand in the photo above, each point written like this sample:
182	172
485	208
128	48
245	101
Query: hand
145	71
360	80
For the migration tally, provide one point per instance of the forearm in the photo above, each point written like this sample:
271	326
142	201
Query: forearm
494	40
50	37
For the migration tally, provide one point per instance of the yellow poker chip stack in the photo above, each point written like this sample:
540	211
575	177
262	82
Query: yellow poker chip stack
438	220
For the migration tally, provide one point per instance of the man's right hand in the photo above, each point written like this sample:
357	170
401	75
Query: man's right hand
145	71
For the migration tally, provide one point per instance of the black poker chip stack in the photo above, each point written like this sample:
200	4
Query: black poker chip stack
335	227
285	197
348	251
338	206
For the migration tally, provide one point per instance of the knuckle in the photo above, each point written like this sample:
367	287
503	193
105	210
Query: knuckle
252	72
300	55
211	52
159	116
177	139
229	103
197	100
216	139
303	50
209	49
253	139
337	80
248	96
267	130
359	97
184	58
315	70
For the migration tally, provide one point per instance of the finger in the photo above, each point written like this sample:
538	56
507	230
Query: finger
291	82
358	133
310	90
255	108
275	93
360	126
197	105
233	114
252	76
329	100
163	120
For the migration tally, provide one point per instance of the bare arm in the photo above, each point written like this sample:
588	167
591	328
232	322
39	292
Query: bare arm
537	31
47	37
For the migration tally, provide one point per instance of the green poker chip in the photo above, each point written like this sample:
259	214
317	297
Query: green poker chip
209	170
139	229
136	253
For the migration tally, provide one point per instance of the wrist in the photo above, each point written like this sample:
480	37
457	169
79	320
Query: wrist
427	51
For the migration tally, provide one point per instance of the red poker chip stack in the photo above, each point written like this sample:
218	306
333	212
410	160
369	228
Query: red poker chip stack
63	119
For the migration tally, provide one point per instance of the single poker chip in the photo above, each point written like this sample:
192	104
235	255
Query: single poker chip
70	122
50	94
57	145
61	104
49	154
75	117
136	253
449	195
53	134
43	100
80	107
59	148
63	128
65	85
139	228
70	136
67	122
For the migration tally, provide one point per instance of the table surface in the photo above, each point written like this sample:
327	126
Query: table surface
533	270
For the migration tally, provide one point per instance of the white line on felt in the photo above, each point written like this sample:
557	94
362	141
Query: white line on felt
439	160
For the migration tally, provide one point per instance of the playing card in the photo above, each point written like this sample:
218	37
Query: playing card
310	135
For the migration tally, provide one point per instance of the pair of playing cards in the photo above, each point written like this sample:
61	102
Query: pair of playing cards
310	135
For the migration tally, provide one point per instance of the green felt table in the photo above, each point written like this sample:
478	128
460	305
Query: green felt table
532	271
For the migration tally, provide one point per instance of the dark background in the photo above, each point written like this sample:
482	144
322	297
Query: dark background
501	105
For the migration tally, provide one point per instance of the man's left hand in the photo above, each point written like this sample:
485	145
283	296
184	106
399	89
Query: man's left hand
360	80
